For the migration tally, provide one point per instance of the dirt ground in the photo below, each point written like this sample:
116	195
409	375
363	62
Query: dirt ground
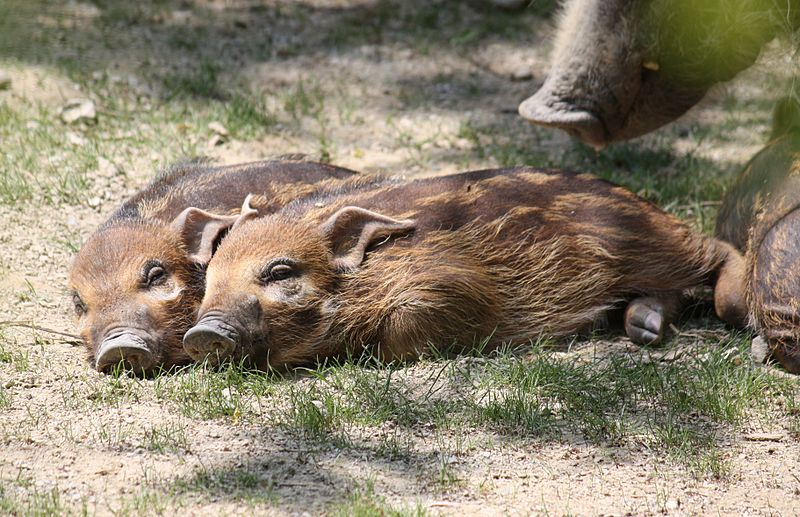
375	86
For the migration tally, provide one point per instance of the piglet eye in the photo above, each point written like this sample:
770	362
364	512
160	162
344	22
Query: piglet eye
80	307
278	271
153	274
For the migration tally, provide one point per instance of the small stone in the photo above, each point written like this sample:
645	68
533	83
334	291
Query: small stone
226	394
94	202
79	110
218	129
764	437
215	141
5	80
759	350
522	73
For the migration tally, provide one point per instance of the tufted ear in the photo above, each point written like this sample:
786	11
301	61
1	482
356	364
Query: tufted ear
246	213
351	230
200	229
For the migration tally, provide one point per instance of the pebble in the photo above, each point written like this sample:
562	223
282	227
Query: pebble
215	141
521	73
94	202
77	110
759	350
764	437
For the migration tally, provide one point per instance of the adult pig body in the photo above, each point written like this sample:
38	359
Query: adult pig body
761	215
622	68
138	280
508	255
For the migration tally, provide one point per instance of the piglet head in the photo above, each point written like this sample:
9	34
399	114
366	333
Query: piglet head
272	285
136	288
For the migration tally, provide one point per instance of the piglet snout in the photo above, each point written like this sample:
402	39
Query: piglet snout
211	340
126	348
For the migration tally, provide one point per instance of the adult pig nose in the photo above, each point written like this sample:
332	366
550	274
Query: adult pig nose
546	110
127	349
211	341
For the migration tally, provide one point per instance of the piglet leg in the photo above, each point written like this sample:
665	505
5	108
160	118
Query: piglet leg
729	299
648	317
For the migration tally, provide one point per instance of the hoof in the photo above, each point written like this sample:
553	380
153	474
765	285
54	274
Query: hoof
645	321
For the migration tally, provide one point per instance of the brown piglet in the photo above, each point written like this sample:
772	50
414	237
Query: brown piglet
501	256
138	280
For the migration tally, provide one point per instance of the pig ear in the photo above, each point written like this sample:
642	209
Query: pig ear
200	229
246	213
351	230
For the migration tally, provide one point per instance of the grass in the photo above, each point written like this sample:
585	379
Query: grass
167	438
364	502
38	162
250	483
204	394
675	409
201	81
115	389
35	503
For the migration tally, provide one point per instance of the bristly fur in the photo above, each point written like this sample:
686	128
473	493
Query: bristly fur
760	214
510	254
106	272
622	68
773	257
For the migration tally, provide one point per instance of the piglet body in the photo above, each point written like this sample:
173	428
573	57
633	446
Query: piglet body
503	256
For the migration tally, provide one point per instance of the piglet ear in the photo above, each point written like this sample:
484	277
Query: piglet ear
200	229
246	213
351	230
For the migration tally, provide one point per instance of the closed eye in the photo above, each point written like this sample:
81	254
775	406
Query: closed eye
279	269
153	273
78	304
